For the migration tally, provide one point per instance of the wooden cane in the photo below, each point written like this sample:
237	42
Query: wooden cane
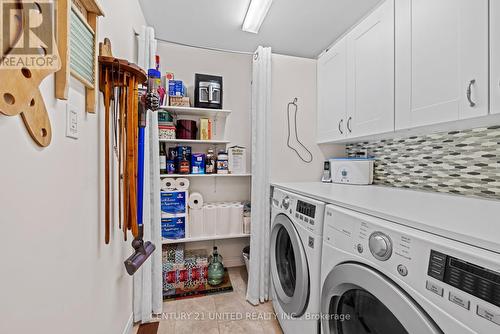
126	198
133	158
106	156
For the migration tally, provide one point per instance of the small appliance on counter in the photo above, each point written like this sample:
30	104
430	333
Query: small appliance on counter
327	177
208	91
352	170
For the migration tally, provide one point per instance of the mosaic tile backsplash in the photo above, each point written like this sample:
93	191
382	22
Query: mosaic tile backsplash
459	162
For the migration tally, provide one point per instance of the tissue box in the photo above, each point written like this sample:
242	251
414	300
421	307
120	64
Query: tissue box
173	203
173	228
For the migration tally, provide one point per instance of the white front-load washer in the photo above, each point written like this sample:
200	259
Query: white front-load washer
295	260
383	277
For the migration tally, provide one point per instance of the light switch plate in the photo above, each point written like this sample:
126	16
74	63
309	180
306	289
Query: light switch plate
71	122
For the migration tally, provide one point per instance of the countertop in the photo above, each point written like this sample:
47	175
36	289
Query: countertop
469	220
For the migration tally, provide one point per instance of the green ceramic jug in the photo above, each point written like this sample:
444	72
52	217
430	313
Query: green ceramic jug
215	269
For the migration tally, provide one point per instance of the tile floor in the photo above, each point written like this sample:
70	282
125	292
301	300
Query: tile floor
226	313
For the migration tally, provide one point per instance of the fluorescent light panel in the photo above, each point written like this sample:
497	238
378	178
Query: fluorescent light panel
256	14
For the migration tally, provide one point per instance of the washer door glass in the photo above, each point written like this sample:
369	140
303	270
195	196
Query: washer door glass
367	314
289	269
285	262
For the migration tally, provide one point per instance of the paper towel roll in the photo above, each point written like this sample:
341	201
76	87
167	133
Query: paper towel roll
168	184
236	219
223	219
209	219
195	223
182	184
195	201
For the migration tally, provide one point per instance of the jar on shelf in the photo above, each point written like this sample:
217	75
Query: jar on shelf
210	162
222	163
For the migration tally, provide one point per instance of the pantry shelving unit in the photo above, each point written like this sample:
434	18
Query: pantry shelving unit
195	141
201	112
205	175
219	117
206	238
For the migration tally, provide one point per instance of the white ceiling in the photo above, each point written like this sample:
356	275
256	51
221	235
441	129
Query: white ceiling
293	27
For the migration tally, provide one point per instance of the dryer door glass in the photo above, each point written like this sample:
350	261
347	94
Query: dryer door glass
366	314
285	262
360	300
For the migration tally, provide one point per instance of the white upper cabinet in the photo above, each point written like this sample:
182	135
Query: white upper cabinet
495	55
370	83
441	61
332	103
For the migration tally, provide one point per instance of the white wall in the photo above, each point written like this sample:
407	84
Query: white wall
57	276
236	70
296	77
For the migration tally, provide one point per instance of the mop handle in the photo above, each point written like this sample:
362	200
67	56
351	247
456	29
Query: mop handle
151	102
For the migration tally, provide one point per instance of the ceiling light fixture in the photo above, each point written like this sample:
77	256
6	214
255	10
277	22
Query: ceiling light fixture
256	13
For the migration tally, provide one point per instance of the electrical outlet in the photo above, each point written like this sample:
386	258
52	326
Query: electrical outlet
71	122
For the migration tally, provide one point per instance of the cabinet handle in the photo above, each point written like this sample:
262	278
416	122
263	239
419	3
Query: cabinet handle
469	93
349	124
341	125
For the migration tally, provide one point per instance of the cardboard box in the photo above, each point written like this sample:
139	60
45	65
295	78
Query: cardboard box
173	254
176	88
197	163
205	129
179	101
237	160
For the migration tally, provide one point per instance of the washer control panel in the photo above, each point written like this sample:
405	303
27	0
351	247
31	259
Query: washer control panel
380	246
305	211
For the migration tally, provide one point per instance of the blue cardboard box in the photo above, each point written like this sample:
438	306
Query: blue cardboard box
173	228
198	163
174	202
176	88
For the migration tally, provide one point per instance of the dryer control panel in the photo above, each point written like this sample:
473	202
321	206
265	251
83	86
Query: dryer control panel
465	276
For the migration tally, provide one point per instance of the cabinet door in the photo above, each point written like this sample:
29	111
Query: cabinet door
370	57
441	55
495	55
332	93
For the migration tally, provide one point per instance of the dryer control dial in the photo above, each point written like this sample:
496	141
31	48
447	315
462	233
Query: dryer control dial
380	246
286	202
